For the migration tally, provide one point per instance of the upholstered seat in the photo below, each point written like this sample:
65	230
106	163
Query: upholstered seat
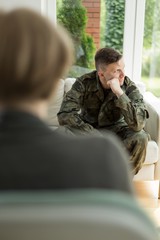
147	172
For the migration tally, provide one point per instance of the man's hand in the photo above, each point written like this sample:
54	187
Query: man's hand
114	85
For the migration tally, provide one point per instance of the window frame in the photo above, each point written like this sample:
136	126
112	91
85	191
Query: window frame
133	37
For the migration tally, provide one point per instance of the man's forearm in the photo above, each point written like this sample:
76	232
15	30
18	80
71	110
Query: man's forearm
134	112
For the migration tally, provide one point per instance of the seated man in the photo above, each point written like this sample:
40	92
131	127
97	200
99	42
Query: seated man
34	55
106	99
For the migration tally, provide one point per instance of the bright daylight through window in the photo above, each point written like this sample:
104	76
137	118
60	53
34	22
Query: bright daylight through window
100	23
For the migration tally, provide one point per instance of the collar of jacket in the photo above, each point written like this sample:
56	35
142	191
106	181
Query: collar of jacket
95	86
94	82
100	91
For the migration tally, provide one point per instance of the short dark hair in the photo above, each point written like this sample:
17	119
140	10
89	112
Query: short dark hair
105	56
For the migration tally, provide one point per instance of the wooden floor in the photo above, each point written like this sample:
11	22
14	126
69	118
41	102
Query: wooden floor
152	207
147	195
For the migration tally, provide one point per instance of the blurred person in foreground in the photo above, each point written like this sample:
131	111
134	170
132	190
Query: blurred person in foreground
34	55
106	99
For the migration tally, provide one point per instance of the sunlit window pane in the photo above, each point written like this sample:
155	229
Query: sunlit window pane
151	47
92	24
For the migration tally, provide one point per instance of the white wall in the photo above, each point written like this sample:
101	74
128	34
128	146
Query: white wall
10	4
46	7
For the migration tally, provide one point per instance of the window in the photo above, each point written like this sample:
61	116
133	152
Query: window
137	22
151	47
82	20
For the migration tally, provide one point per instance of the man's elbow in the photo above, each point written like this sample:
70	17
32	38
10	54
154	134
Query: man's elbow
61	119
66	118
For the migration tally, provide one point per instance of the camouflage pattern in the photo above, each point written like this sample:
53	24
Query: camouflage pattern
89	109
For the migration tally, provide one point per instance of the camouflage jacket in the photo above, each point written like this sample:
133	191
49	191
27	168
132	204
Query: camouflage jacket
87	106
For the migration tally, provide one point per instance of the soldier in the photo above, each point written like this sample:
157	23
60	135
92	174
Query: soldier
106	99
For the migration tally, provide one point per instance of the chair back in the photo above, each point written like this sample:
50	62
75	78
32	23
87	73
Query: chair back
73	215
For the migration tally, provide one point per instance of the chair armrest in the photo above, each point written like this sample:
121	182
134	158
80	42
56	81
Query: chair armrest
153	124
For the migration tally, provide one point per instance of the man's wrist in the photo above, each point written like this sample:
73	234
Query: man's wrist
119	93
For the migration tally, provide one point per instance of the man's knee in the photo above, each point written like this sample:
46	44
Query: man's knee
139	139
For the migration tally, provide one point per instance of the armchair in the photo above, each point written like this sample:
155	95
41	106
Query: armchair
147	180
151	168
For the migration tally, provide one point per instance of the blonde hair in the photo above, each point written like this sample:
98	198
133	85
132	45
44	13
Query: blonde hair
34	54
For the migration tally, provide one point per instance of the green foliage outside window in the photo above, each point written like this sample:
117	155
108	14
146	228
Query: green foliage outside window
151	43
114	28
151	47
72	15
149	20
102	23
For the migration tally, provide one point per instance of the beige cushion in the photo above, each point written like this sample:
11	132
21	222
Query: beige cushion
141	86
152	153
55	104
145	173
153	123
68	84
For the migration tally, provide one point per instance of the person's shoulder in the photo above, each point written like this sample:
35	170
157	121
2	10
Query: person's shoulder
87	77
92	143
128	81
130	86
85	80
96	148
111	148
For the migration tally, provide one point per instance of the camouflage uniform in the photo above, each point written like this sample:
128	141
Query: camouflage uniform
89	109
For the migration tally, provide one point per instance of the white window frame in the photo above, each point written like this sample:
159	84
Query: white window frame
133	37
48	8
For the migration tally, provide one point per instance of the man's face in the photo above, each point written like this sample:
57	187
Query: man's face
113	70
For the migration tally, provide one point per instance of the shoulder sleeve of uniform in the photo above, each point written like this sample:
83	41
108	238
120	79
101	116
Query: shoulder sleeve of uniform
131	88
78	86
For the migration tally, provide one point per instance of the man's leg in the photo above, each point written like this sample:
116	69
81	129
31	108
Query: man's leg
136	144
